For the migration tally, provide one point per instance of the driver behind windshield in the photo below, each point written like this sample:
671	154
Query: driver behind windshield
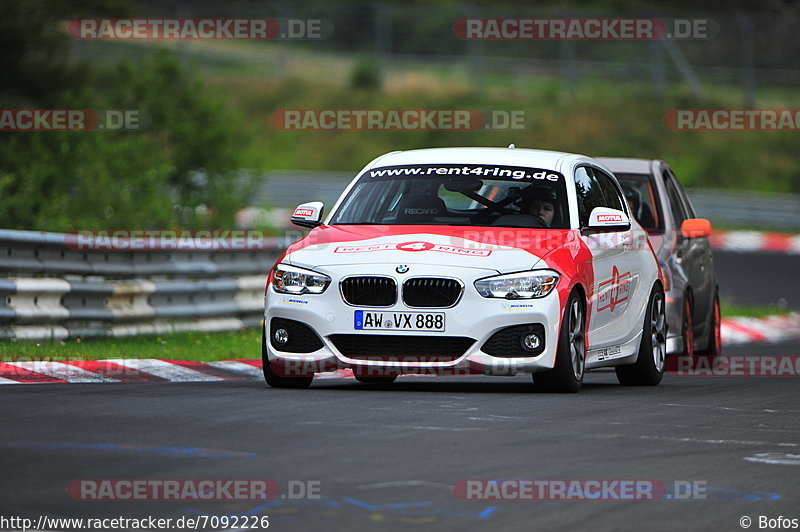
540	202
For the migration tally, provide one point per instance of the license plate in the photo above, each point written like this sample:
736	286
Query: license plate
399	321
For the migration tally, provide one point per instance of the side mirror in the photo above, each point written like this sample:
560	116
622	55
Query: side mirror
308	214
603	219
696	228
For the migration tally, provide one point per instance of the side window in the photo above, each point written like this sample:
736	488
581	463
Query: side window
643	200
675	201
682	193
610	191
589	192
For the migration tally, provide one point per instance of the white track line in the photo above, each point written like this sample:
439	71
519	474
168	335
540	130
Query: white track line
235	366
165	370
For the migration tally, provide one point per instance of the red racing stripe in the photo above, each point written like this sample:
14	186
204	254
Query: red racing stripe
755	336
716	239
777	242
14	373
251	361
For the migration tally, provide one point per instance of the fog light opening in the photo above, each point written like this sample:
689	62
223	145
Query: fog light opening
531	342
281	336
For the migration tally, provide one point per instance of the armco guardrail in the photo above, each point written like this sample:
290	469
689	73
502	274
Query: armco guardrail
50	290
748	208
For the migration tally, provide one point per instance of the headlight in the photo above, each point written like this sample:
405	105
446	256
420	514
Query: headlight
293	280
522	285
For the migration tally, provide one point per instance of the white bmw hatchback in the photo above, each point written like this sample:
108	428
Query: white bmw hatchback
469	261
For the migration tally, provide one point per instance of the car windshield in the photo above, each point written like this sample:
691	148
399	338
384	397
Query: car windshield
641	196
451	194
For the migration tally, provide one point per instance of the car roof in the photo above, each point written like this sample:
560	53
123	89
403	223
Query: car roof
501	156
626	165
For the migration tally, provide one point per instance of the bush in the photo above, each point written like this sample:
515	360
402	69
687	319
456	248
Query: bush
188	156
182	170
365	76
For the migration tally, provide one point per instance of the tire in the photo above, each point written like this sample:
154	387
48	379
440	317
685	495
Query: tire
567	374
649	367
714	348
377	380
687	328
279	381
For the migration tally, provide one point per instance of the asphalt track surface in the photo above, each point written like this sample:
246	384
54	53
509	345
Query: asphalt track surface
387	458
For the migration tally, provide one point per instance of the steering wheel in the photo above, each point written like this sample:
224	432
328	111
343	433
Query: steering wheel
538	219
484	217
521	220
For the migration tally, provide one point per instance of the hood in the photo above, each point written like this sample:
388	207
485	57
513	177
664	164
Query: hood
501	249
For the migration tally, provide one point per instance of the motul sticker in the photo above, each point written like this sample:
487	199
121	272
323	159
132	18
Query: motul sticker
415	247
609	218
303	212
613	291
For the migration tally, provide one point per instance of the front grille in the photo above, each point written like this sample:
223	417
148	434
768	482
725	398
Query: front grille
301	338
397	348
431	292
369	291
507	342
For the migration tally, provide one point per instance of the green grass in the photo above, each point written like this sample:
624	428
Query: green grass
182	346
735	311
717	226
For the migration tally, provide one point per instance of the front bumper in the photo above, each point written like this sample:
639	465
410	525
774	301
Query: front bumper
473	317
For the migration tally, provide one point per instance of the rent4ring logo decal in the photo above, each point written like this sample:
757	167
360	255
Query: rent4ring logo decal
415	246
477	171
614	291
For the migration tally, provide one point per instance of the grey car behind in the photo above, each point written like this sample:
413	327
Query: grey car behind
660	205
